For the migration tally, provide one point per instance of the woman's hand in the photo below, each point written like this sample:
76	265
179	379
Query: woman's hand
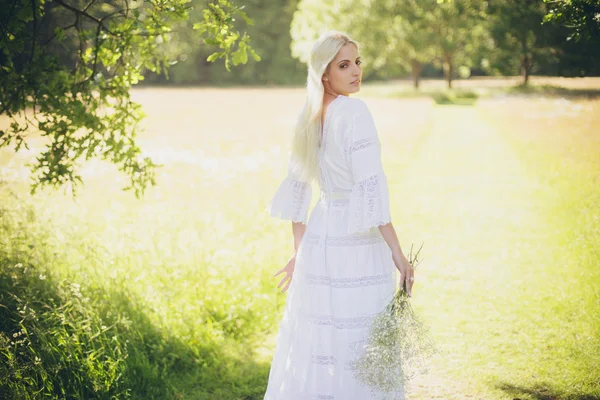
289	271
407	272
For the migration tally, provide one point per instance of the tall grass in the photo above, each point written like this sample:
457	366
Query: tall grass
75	325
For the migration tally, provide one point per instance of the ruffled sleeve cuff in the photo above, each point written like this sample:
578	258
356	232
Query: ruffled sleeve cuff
369	204
291	201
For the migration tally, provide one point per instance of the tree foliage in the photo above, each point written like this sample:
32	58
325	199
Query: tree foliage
411	42
398	35
520	38
66	68
582	17
270	38
364	21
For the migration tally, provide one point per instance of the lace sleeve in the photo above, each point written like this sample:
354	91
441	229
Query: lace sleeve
292	198
369	203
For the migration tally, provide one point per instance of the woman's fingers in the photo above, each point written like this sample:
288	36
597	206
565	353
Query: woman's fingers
283	280
407	277
286	286
402	279
278	272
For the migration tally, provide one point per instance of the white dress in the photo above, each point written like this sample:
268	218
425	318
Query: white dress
344	271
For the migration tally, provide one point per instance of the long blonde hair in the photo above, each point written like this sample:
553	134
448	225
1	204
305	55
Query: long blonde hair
307	135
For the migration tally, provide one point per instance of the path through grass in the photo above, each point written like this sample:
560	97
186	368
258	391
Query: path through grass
511	286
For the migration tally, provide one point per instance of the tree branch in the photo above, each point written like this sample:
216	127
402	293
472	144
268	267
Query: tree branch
73	25
100	22
33	42
88	6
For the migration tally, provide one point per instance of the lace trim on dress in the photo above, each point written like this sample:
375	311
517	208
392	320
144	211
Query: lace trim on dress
343	283
369	204
362	239
291	201
360	322
322	360
329	360
362	144
338	204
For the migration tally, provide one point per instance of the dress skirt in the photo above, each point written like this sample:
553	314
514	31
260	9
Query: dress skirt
340	282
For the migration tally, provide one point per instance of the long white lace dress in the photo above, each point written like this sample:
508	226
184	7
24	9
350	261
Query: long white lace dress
344	272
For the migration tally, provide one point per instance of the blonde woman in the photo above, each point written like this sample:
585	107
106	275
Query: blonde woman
343	269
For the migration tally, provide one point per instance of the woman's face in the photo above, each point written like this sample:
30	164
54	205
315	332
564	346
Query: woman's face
344	73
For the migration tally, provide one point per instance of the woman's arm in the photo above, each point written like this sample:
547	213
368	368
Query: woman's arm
389	234
369	203
406	269
298	229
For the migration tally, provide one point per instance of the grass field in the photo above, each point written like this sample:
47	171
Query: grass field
171	296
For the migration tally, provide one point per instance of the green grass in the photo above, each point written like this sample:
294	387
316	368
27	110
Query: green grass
465	98
467	91
171	296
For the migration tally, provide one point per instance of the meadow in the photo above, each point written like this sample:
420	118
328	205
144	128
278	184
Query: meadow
170	296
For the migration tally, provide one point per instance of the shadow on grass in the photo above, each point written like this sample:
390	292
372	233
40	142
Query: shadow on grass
469	96
540	392
554	91
60	339
460	97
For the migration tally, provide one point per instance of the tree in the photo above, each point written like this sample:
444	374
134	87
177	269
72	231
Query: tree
520	37
460	29
410	38
66	68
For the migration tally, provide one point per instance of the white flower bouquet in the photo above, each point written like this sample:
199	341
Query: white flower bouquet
398	346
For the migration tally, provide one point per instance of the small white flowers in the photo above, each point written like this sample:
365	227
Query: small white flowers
398	346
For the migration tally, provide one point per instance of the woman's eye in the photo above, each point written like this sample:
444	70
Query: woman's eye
358	62
343	65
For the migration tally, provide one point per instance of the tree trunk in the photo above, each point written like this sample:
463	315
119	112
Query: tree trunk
416	69
447	66
526	61
526	64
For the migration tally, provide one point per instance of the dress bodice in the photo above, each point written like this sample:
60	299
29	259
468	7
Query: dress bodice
350	170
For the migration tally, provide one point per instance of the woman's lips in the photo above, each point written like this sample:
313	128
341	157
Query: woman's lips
356	82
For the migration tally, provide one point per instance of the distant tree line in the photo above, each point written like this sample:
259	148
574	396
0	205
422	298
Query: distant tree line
401	38
460	37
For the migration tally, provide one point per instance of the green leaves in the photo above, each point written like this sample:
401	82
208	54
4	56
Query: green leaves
60	33
218	26
581	17
240	55
76	77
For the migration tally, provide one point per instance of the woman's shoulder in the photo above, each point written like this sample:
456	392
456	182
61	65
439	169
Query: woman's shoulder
355	119
352	106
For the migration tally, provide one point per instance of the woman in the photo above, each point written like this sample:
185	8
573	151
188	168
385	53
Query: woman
344	259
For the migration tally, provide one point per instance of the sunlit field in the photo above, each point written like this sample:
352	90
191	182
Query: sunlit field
171	296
